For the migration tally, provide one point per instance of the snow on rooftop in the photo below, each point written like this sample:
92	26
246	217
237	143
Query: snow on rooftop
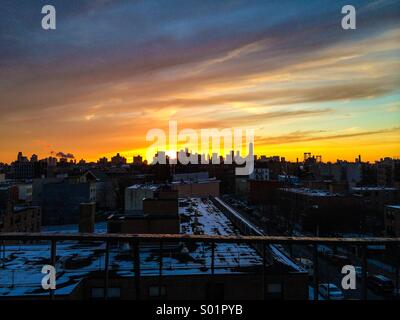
152	187
99	227
277	254
373	189
394	206
311	192
21	270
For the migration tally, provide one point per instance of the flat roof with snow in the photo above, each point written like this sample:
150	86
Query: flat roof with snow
373	189
152	187
311	192
394	206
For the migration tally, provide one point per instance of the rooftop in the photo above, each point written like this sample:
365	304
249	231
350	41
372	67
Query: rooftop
152	187
373	189
208	180
311	192
394	206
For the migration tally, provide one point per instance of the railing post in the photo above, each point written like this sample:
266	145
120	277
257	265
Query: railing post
264	256
53	257
315	271
160	267
136	267
106	263
212	257
397	282
364	273
3	253
397	275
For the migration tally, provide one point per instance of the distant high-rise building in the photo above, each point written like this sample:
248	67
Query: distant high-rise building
51	161
25	169
21	157
137	160
118	160
103	160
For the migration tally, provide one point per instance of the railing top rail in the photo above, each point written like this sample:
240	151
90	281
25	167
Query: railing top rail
191	238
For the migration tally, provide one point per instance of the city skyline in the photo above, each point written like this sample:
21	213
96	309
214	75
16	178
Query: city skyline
131	158
112	70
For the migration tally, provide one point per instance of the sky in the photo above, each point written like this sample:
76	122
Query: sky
113	70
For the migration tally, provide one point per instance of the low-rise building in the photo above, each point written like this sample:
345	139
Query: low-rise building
135	194
321	210
60	198
159	213
197	184
392	220
21	219
377	197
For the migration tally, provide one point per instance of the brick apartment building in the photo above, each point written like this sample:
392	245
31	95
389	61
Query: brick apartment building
21	219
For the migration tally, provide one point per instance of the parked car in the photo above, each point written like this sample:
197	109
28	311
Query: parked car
330	291
380	284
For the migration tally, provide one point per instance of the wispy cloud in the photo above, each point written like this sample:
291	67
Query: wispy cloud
306	136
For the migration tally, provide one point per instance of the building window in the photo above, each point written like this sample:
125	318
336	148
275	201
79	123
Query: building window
274	287
113	293
157	291
97	293
274	291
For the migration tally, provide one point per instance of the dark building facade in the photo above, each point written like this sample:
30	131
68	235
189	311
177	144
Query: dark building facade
60	199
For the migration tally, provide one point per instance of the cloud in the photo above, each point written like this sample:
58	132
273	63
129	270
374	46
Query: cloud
314	135
61	154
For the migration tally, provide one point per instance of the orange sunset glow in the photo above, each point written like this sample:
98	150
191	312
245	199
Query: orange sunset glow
115	70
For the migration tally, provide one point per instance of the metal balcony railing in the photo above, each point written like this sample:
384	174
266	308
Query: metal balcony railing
260	241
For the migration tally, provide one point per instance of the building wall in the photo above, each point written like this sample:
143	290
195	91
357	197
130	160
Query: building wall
106	196
145	224
60	201
241	186
377	198
25	220
25	192
87	217
392	221
324	213
160	206
264	192
134	198
200	287
203	189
